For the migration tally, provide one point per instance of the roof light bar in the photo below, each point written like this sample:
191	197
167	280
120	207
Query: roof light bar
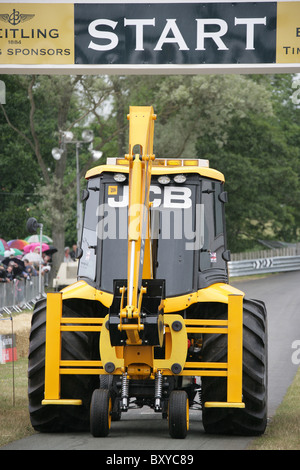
165	162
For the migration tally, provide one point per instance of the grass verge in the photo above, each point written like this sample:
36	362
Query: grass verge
283	431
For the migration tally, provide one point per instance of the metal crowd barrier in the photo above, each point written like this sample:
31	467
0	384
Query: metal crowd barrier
263	266
19	294
22	294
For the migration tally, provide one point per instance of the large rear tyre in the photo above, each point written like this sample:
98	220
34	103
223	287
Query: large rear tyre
178	414
252	420
77	345
100	413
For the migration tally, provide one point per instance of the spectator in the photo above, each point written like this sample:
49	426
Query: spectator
10	272
73	252
29	269
67	257
46	263
2	274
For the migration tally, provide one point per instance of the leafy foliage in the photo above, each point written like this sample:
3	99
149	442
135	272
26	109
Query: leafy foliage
247	126
260	161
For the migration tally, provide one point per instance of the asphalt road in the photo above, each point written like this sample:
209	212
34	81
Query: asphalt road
144	429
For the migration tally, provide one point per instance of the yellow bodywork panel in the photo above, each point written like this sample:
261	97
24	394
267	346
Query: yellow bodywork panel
170	170
82	290
214	293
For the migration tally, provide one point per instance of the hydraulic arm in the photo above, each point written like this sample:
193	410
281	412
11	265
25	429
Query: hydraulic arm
140	165
140	157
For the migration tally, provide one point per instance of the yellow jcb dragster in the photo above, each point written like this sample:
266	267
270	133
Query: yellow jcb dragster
152	320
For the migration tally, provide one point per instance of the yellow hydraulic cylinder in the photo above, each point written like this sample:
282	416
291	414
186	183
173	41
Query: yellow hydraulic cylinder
134	229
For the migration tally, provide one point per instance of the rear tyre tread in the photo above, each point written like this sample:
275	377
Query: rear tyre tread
57	418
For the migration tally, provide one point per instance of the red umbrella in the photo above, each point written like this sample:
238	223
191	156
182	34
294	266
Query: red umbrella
18	244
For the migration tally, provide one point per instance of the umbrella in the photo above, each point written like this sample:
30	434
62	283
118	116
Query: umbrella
36	239
11	252
17	261
18	265
32	257
3	245
51	250
19	244
32	246
7	253
18	252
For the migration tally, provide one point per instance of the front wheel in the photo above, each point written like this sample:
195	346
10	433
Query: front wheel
100	413
178	414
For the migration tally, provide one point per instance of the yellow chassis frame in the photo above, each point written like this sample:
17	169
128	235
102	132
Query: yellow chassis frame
138	360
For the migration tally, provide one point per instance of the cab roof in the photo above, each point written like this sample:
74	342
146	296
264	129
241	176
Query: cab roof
161	166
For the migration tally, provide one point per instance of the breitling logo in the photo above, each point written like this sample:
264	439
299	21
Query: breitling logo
15	17
36	33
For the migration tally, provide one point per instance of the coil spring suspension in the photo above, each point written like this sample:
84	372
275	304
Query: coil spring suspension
158	391
200	397
124	392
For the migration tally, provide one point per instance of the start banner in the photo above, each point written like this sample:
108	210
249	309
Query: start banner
156	34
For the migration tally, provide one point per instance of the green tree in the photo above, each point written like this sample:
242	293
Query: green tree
19	173
240	123
37	109
202	106
260	161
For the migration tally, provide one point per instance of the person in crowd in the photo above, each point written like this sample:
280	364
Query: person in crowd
73	252
10	275
46	268
10	272
29	270
2	273
67	257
